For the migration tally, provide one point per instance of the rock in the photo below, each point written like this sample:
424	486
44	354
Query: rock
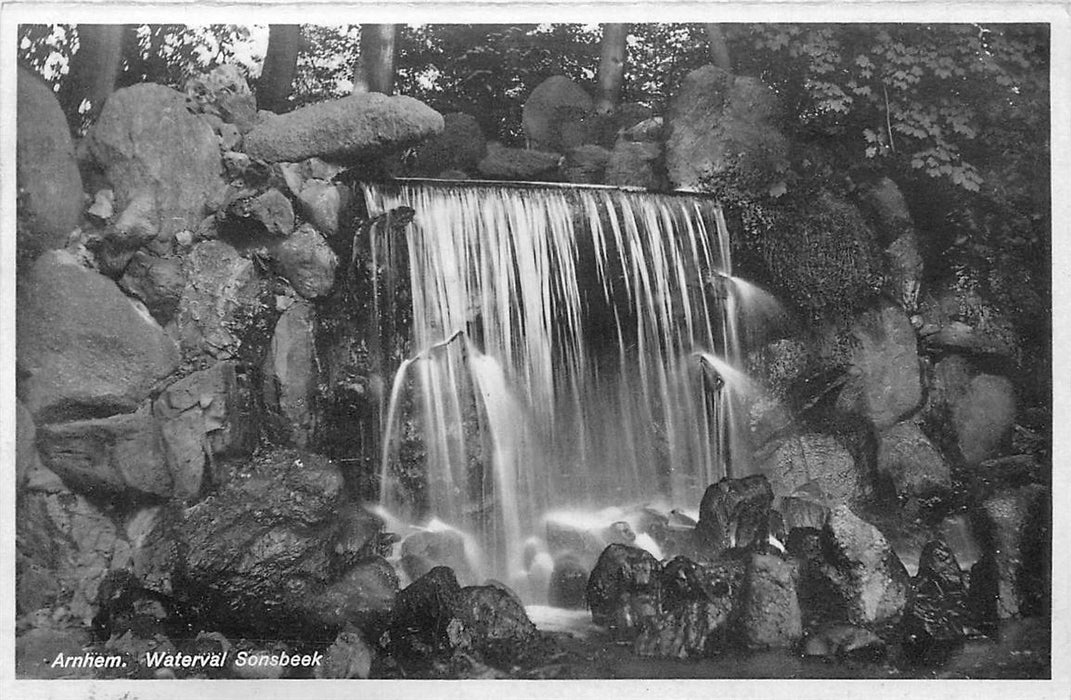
937	614
307	262
65	546
427	549
624	589
904	265
844	642
124	606
321	203
117	455
1013	576
864	568
568	583
553	115
818	459
635	164
572	538
426	623
497	624
586	164
46	172
258	555
650	130
235	164
147	143
270	209
85	348
803	512
349	656
885	384
519	164
957	315
735	513
290	376
208	413
103	206
461	146
983	417
224	303
363	596
364	125
716	120
223	91
230	137
38	649
698	607
157	282
26	456
770	611
908	458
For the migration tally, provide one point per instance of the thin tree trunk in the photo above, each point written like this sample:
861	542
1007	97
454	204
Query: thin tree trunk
375	67
611	67
280	64
94	70
719	48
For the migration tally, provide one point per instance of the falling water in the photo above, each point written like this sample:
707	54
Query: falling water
575	351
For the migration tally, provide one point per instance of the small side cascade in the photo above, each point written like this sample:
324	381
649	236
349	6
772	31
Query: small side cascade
576	348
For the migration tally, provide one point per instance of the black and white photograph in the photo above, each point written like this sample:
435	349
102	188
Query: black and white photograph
461	350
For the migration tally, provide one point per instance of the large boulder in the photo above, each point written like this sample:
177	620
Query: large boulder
290	376
85	348
519	164
357	126
911	462
624	590
46	172
461	146
498	626
984	416
816	459
553	115
635	164
885	384
224	92
307	262
735	513
717	120
770	613
157	282
148	143
937	615
427	620
425	550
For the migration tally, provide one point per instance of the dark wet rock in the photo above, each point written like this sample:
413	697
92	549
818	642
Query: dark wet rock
38	648
364	125
157	282
586	164
498	626
425	550
349	656
117	455
803	512
147	143
635	164
624	589
937	615
271	210
363	596
85	348
519	164
843	642
307	262
460	146
64	547
568	583
208	413
911	462
47	177
361	536
863	567
290	376
224	304
735	513
427	621
553	115
123	605
815	458
717	119
770	613
1013	576
885	380
224	92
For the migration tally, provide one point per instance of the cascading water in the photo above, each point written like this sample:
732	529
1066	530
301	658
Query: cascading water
576	350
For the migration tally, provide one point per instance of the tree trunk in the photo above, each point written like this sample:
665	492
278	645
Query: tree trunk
94	70
375	67
280	65
611	67
719	48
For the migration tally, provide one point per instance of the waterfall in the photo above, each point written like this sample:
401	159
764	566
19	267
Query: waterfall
577	347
